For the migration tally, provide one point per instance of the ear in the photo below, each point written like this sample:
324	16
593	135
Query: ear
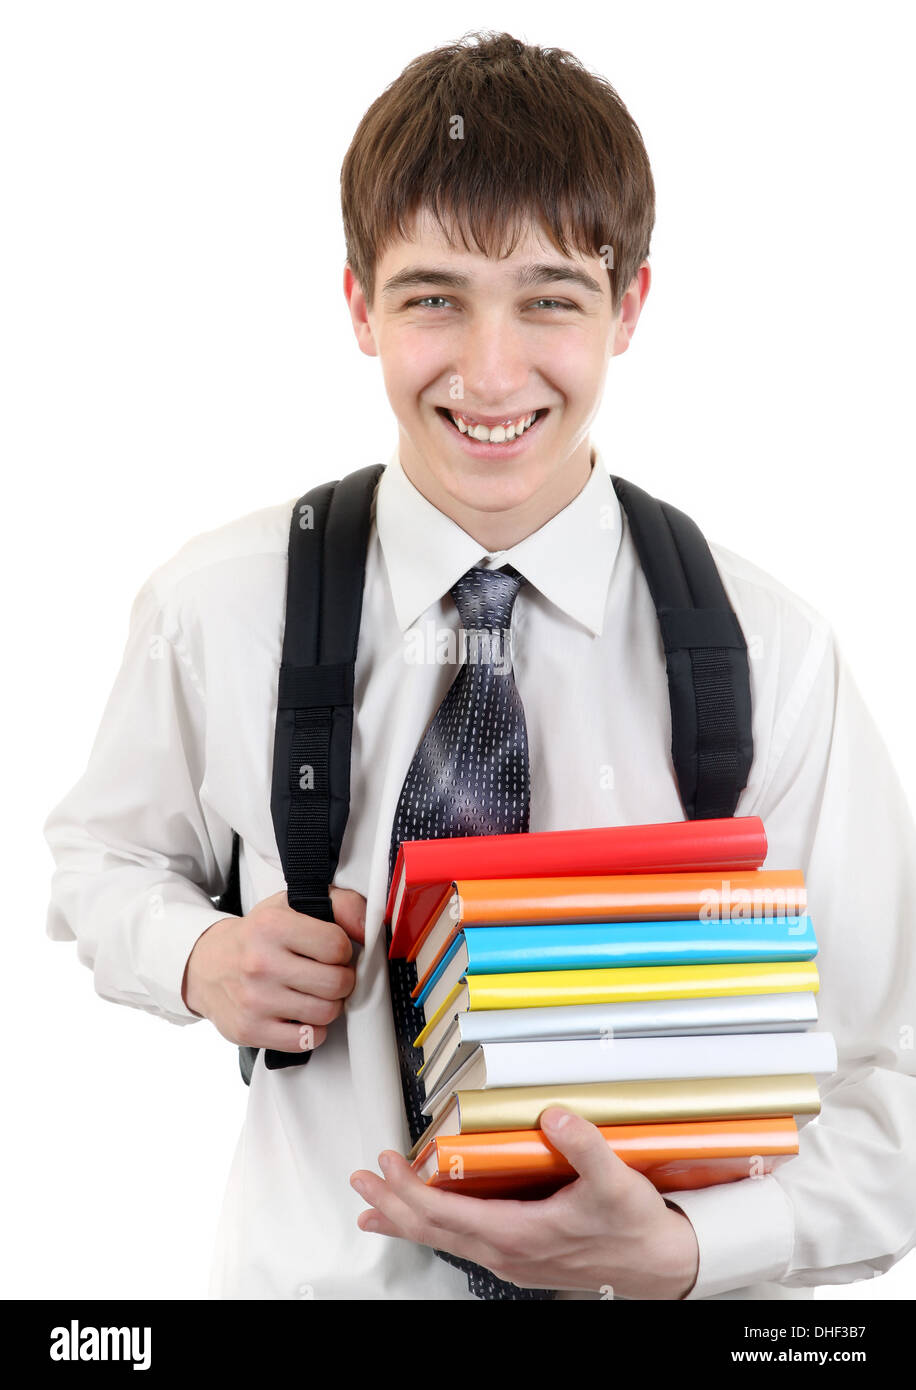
359	312
631	308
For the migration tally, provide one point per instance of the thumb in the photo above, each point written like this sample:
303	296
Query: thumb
349	908
581	1143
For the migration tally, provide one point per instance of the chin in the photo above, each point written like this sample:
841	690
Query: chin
486	489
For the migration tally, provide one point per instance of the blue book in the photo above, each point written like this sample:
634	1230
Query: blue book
600	945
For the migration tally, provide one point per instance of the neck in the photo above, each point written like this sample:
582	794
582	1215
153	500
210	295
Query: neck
500	529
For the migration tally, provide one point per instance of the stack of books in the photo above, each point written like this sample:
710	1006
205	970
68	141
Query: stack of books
654	979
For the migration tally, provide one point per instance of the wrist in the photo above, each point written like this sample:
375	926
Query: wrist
681	1264
193	983
186	986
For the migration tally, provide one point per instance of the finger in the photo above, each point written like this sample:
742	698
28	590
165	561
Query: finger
410	1223
456	1212
349	908
314	977
318	940
296	1007
379	1225
582	1145
280	899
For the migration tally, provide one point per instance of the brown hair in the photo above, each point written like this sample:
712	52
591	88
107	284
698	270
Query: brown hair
543	139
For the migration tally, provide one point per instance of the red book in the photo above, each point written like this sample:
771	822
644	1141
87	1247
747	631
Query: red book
424	869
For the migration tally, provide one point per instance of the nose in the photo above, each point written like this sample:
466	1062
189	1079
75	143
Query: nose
492	363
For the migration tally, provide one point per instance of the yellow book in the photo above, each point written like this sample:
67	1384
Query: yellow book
540	988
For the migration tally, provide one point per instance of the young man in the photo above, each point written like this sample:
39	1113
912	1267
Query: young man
498	207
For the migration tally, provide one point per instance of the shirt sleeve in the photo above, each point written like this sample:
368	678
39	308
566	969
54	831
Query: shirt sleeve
842	1209
138	857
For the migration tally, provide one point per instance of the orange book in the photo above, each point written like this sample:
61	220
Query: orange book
675	1155
717	895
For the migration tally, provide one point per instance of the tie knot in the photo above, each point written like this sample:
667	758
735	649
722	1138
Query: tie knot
484	597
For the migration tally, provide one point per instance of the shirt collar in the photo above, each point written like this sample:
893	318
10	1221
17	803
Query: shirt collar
569	559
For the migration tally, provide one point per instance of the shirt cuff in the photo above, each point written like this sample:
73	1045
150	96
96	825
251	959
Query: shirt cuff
745	1233
164	955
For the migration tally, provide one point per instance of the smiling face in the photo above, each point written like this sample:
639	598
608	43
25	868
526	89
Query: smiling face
495	370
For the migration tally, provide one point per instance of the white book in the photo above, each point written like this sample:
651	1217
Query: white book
646	1018
571	1061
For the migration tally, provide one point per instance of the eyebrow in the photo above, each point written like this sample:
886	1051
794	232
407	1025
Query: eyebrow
542	273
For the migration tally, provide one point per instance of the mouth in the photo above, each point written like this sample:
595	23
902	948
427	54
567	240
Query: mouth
503	446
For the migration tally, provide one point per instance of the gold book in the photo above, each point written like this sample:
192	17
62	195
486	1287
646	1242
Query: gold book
625	1102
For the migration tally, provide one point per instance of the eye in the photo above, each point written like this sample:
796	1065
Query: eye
556	303
426	300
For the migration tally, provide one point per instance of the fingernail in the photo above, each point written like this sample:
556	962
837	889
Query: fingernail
359	1186
384	1162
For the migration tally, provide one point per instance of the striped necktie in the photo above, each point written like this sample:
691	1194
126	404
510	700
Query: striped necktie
469	776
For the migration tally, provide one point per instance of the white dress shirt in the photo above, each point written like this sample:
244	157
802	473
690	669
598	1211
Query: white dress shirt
142	846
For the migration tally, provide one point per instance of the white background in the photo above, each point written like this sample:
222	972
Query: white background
176	352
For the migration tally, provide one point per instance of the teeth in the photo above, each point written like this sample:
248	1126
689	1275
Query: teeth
499	434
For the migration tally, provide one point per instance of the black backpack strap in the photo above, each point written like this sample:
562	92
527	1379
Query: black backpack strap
231	899
705	651
310	798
